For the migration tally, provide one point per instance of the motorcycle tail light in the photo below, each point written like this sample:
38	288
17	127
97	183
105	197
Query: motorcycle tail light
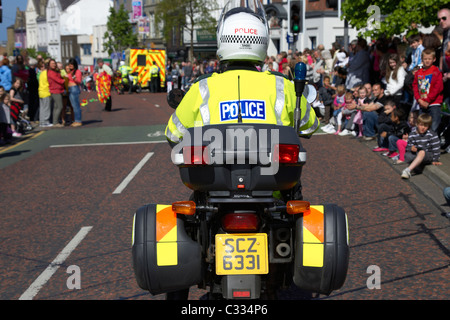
287	153
186	208
240	222
242	294
195	155
297	207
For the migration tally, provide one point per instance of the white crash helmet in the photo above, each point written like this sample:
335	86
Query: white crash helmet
243	32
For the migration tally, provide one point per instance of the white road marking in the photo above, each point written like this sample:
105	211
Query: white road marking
156	134
132	174
105	144
37	285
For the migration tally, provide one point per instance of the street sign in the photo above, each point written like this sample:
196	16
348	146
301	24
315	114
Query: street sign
291	38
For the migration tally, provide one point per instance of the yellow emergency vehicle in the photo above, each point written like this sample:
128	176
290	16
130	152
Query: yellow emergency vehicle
140	62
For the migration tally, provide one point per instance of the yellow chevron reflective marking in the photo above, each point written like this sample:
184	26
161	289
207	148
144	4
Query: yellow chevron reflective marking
166	254
166	236
308	237
313	255
171	236
313	237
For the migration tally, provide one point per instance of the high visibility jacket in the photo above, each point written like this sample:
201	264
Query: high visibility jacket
154	71
124	70
265	98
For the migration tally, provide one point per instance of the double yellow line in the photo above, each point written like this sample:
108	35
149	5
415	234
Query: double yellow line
33	136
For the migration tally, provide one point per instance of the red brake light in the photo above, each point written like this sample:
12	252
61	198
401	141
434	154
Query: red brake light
241	294
195	155
239	222
287	153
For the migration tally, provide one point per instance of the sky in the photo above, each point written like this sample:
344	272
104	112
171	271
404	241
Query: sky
9	15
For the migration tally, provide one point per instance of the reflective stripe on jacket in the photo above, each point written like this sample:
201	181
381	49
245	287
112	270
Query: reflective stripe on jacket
264	97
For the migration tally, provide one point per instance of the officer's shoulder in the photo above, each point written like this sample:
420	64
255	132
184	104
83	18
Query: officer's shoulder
202	77
278	74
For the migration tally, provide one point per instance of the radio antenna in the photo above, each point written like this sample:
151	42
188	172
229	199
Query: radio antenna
239	103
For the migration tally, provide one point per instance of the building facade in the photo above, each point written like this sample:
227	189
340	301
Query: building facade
321	25
17	35
48	20
32	13
67	28
41	24
54	9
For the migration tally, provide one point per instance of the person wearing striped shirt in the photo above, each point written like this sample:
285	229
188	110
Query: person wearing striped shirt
423	147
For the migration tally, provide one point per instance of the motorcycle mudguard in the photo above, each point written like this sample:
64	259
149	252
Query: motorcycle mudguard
165	259
322	250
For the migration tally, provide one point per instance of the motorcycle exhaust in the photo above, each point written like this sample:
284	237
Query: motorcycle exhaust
283	234
283	250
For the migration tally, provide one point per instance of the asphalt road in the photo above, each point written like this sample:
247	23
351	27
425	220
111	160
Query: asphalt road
68	196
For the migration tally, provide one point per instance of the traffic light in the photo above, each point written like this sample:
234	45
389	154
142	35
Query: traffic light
295	15
1	12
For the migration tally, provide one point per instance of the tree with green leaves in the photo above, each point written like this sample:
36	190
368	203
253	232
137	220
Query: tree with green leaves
388	18
33	53
187	15
119	35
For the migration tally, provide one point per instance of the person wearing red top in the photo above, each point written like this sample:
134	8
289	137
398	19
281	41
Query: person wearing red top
75	79
56	84
428	88
283	56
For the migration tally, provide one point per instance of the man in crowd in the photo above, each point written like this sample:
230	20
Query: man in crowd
371	112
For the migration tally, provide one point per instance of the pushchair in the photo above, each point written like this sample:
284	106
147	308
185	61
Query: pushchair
18	118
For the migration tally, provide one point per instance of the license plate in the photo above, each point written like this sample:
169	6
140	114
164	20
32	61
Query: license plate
238	254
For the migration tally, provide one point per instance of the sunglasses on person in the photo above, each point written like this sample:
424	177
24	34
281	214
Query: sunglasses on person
442	18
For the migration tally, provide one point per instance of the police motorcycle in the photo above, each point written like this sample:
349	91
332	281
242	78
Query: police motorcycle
233	237
245	233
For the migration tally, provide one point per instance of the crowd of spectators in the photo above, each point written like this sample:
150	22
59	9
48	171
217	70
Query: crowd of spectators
181	75
38	92
382	90
374	91
377	90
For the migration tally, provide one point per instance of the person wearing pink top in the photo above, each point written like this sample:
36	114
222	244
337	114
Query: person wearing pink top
56	84
75	79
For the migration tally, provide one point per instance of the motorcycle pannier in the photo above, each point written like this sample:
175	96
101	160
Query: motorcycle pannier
322	251
165	259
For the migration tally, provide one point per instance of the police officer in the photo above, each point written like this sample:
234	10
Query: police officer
243	38
154	74
125	72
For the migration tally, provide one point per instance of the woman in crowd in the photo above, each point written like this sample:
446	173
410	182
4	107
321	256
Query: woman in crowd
56	84
395	78
75	78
